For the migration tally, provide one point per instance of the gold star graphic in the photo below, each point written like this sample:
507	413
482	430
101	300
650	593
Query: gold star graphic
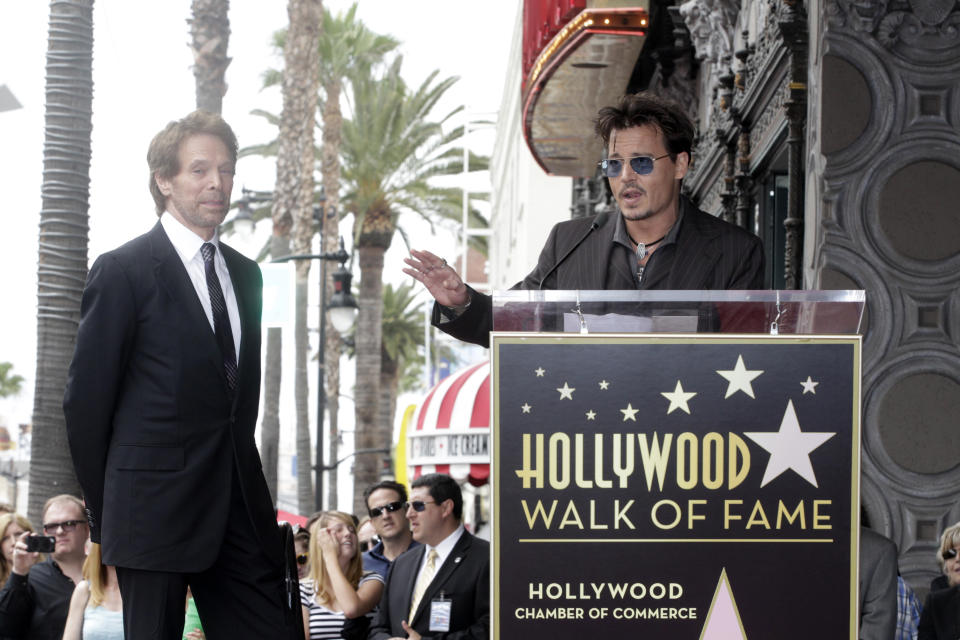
678	398
740	378
629	413
566	391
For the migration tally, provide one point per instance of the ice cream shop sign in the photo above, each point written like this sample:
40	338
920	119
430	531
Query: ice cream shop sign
449	433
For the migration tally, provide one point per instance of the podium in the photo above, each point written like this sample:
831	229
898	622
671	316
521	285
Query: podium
675	464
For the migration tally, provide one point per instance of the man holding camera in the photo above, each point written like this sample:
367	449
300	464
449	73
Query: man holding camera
34	602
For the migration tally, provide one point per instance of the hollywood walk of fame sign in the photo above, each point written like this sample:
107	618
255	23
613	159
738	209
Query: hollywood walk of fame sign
664	486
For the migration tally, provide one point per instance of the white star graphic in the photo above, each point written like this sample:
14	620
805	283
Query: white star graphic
566	391
526	408
603	385
591	415
809	386
539	371
629	413
678	398
789	447
740	379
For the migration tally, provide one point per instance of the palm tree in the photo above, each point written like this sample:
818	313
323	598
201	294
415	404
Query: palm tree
277	245
402	336
9	384
391	150
210	34
293	197
347	48
63	241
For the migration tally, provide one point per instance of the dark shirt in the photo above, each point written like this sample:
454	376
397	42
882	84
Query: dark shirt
660	260
374	560
35	606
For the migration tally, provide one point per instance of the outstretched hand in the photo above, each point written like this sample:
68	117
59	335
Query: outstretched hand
443	283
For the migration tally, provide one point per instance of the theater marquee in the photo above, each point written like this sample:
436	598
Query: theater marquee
696	487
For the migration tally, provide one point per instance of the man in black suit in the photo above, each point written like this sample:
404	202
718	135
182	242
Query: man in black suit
659	240
161	405
441	589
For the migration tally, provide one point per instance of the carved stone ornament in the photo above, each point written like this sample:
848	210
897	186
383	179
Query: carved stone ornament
927	24
711	24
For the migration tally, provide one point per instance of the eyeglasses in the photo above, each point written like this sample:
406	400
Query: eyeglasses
950	554
641	165
390	508
302	558
68	526
419	505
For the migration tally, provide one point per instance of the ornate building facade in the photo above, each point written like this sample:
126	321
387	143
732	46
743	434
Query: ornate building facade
831	129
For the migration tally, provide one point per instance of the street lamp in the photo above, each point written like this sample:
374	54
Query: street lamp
243	222
343	313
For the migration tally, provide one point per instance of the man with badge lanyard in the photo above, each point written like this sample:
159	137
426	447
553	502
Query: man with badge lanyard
440	589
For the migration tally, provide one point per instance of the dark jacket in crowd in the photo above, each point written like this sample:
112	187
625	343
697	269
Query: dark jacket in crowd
35	606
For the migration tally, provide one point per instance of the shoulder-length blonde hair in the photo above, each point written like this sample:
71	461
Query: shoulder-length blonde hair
323	589
5	521
95	572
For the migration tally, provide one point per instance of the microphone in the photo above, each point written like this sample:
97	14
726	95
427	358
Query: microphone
597	223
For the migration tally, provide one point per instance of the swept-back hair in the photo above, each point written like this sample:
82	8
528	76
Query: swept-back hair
640	109
442	487
163	156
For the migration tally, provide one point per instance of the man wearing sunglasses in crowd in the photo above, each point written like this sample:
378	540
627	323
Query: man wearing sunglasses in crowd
35	600
657	238
441	589
386	506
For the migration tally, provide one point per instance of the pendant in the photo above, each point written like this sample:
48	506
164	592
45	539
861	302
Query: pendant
641	251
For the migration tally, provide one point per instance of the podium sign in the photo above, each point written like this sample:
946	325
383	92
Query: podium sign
668	486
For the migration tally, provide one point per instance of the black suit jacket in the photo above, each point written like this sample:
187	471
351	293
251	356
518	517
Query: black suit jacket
710	254
155	432
940	618
463	578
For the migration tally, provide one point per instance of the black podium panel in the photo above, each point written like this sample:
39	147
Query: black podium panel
697	487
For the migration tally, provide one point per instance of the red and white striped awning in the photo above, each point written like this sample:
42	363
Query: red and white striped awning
450	430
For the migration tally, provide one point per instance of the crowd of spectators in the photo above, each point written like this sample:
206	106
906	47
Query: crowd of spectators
64	591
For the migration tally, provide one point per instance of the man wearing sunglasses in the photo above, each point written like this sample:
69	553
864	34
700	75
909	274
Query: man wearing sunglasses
657	238
441	589
35	600
386	504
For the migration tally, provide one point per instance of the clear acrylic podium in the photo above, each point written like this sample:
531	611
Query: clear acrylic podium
757	312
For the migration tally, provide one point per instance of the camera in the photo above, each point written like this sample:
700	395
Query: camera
43	544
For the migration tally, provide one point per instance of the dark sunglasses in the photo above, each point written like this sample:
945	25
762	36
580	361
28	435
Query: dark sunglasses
302	558
950	554
390	508
419	505
641	165
68	526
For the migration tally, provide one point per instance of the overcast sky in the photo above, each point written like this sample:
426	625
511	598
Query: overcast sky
142	80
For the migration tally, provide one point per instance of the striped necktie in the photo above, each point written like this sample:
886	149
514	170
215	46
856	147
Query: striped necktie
426	577
221	319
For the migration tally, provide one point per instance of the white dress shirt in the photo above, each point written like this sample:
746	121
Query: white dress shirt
188	244
443	550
